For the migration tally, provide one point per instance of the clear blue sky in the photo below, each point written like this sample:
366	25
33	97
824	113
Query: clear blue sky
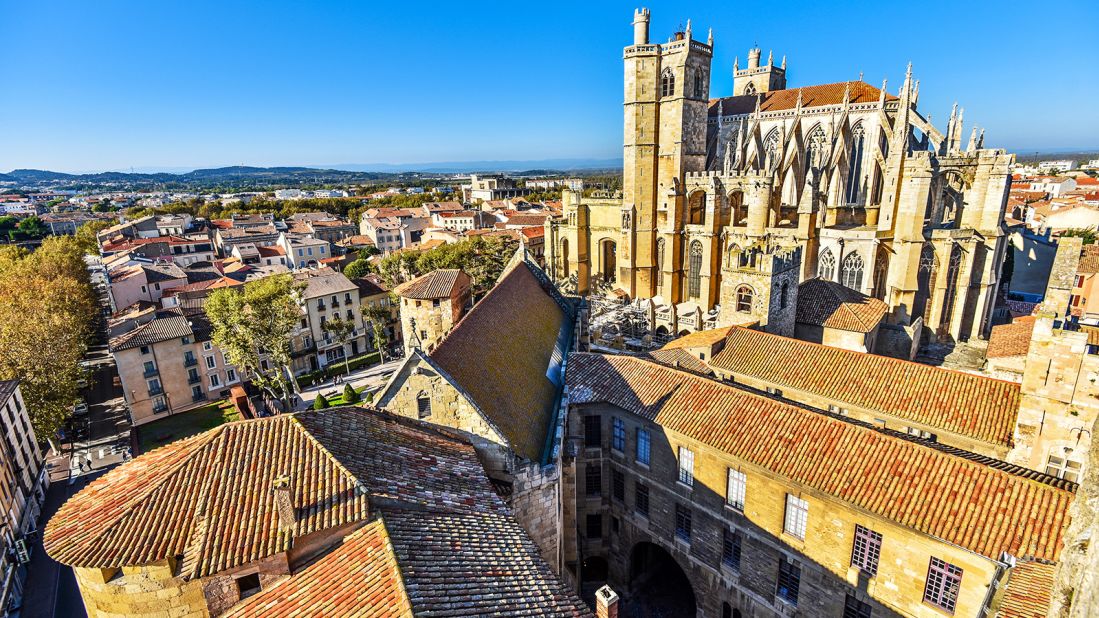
108	85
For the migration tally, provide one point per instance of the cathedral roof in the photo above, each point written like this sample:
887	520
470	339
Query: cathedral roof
833	305
983	505
811	96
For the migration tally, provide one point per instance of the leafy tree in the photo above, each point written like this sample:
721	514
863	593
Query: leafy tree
378	317
7	224
86	235
1087	234
31	227
256	323
340	330
369	397
357	269
321	402
103	206
368	252
483	259
350	395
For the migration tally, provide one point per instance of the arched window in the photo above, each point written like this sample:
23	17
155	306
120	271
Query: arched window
851	274
565	258
750	89
667	83
770	151
826	266
854	168
696	208
732	256
700	86
815	149
782	295
694	272
744	298
423	405
659	264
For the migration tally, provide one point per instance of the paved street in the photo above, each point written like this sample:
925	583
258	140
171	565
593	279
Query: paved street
372	378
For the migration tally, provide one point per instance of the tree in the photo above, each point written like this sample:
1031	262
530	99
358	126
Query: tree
378	317
7	224
483	259
368	252
87	235
350	395
1087	234
102	206
357	269
321	402
255	324
340	330
31	227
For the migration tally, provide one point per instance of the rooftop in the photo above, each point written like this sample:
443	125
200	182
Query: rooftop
437	284
1028	591
1011	339
811	96
833	305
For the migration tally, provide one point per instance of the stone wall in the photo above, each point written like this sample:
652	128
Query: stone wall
1076	587
150	591
535	502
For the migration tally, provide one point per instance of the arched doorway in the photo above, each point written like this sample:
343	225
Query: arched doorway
608	260
658	584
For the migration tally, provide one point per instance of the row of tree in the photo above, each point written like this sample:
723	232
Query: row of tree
45	321
482	258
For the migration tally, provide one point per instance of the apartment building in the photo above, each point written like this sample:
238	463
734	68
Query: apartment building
328	294
169	365
304	251
143	281
23	484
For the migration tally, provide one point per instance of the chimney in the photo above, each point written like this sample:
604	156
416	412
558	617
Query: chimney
606	603
284	505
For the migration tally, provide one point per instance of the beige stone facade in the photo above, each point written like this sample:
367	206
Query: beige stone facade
874	195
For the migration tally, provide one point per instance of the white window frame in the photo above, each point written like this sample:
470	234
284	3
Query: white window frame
211	362
686	474
735	489
215	380
796	517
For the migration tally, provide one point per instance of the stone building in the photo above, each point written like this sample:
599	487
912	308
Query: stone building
875	197
497	378
835	315
431	305
345	512
327	295
696	495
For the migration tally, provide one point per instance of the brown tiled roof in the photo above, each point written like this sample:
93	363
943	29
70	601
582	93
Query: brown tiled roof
987	508
501	352
526	219
833	305
680	359
153	331
811	96
324	281
1089	260
965	404
440	283
1010	339
359	579
699	338
1028	591
209	498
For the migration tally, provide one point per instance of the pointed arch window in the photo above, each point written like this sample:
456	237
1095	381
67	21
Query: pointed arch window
744	298
659	264
851	274
750	89
770	151
694	272
700	85
854	160
826	266
814	148
667	83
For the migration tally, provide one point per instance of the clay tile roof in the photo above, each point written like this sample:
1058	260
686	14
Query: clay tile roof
209	498
833	305
981	408
442	283
811	96
1010	339
503	352
526	219
1089	260
1092	332
982	505
698	338
680	359
1028	591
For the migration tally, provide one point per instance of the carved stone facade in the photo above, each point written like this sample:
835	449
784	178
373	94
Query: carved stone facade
875	196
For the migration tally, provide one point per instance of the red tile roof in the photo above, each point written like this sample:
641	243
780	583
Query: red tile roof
982	408
833	305
437	284
1028	591
1010	339
985	506
811	96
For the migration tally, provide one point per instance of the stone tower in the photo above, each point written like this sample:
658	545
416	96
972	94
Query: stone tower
760	283
757	79
666	95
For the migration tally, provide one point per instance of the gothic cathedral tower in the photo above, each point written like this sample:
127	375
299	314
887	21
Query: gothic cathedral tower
666	95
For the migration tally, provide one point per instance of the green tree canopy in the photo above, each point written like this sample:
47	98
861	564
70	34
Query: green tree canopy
31	227
357	269
483	259
321	402
350	395
86	235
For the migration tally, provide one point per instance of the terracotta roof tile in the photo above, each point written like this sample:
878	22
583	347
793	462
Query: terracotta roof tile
984	506
1010	339
811	96
680	359
699	338
966	404
833	305
1028	591
442	283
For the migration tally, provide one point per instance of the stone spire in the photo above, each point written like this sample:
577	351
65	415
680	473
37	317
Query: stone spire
846	95
736	65
783	62
981	140
881	95
687	33
972	141
710	37
770	57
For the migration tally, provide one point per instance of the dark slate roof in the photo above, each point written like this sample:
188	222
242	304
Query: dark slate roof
503	352
370	285
163	271
7	389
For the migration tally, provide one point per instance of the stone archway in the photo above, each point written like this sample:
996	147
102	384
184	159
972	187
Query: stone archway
658	586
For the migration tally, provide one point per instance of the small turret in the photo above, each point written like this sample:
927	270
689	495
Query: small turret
641	27
753	58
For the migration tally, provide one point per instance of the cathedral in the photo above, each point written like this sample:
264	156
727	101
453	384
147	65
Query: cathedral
729	203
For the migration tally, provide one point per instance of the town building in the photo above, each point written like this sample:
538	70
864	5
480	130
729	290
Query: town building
143	281
327	295
876	197
431	305
374	294
337	513
488	187
23	483
322	226
303	251
262	235
835	315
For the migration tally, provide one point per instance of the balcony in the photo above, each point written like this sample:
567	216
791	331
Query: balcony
194	379
322	307
199	397
190	361
160	409
335	304
153	392
150	373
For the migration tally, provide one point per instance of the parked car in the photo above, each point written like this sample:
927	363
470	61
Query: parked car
81	409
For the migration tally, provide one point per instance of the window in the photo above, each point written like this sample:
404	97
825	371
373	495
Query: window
851	274
185	340
618	486
744	297
783	291
1063	468
642	446
667	83
215	380
686	466
207	345
211	362
144	349
423	405
154	387
826	266
248	585
641	499
854	174
618	435
866	551
694	270
943	581
594	525
789	580
230	375
734	491
854	608
730	550
593	431
682	523
797	512
700	85
150	368
593	479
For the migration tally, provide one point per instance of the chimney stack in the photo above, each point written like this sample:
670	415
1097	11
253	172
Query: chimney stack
606	603
284	504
